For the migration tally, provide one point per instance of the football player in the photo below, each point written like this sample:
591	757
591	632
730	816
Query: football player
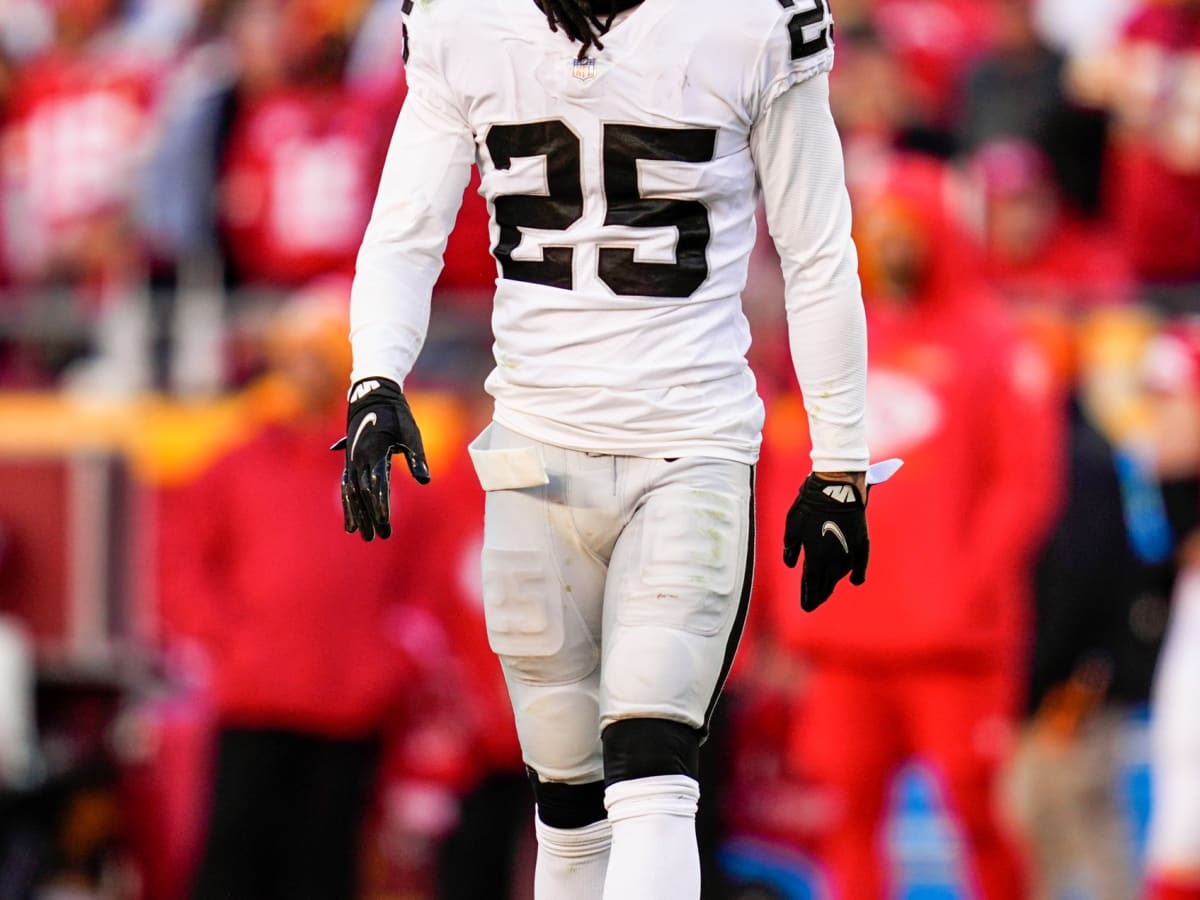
621	148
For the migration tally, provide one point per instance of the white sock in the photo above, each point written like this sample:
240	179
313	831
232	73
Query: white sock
654	852
571	861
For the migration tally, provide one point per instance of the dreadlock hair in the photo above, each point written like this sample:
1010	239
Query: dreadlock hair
578	20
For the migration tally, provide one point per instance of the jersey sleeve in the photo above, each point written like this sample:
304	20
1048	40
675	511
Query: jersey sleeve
427	169
799	45
798	160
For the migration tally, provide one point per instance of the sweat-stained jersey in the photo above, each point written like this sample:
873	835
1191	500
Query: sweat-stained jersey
622	189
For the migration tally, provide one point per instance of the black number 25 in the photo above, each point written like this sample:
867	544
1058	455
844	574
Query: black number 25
562	205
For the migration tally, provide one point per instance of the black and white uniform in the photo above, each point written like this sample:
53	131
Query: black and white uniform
622	189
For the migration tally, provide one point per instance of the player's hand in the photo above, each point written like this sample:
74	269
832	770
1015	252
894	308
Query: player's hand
378	424
828	521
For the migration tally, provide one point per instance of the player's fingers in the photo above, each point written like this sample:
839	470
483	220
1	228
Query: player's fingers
358	497
820	577
791	554
812	598
349	513
377	491
858	574
812	592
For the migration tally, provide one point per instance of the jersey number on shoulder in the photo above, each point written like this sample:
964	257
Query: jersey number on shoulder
562	205
806	21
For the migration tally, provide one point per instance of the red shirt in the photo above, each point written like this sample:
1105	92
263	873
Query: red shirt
299	180
937	41
1155	175
974	413
971	413
301	621
1077	269
76	133
450	513
300	177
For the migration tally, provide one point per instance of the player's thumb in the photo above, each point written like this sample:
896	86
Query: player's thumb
858	574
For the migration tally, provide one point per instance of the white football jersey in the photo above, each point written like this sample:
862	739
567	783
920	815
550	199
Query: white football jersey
622	189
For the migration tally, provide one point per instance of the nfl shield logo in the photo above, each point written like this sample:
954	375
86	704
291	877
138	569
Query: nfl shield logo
585	69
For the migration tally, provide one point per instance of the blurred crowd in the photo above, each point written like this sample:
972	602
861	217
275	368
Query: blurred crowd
183	187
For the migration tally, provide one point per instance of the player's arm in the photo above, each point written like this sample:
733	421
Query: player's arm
427	169
798	158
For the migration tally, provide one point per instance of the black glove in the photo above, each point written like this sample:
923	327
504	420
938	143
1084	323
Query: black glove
378	424
828	519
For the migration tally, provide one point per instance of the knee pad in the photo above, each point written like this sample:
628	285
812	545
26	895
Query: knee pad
643	748
559	728
562	805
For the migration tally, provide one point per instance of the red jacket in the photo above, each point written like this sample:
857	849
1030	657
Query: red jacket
299	181
300	175
450	510
1155	176
937	42
973	412
1078	268
76	130
301	621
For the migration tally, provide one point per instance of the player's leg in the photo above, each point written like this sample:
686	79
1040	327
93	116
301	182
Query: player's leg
845	743
675	604
1173	849
961	722
242	855
331	797
543	584
1062	792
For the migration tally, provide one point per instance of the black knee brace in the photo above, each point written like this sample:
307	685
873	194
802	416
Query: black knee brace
567	805
642	748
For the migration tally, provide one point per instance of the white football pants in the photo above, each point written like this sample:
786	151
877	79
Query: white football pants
614	587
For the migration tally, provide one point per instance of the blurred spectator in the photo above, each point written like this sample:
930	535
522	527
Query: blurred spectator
1036	251
296	621
1151	83
79	120
7	75
1088	668
921	661
177	211
26	26
937	42
1015	89
303	157
873	101
1075	27
1173	851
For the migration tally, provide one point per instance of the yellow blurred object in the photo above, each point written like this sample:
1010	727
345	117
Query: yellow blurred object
1112	346
165	442
169	443
315	320
341	17
1053	333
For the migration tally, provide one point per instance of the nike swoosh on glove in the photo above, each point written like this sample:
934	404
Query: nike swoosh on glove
828	521
378	424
